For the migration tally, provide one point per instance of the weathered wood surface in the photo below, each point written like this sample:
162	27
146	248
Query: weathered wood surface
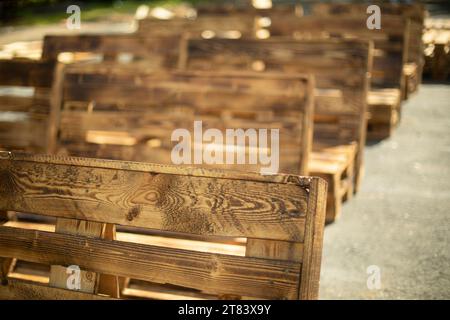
121	115
157	52
207	272
390	42
158	200
229	9
77	187
24	104
414	11
23	290
340	68
219	25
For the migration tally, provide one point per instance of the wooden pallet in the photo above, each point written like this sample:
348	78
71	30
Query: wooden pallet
283	242
384	113
341	78
146	53
107	116
25	104
415	13
335	164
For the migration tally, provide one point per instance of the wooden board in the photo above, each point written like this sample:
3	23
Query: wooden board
61	186
25	104
338	66
156	52
122	115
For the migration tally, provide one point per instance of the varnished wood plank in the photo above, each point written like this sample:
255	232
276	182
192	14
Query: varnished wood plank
59	274
171	202
21	290
26	73
312	256
342	66
59	277
271	249
208	272
234	248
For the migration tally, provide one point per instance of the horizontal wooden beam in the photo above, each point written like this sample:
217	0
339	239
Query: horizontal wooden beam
169	198
211	273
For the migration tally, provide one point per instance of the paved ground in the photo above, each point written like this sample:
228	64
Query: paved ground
400	220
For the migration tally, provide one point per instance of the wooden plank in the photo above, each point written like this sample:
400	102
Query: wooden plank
59	277
312	256
163	51
161	240
26	73
21	290
342	66
59	274
416	11
136	108
208	272
277	250
214	25
171	202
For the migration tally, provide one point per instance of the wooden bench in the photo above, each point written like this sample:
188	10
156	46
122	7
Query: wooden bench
280	217
389	55
207	26
120	115
415	12
340	69
437	43
25	98
144	53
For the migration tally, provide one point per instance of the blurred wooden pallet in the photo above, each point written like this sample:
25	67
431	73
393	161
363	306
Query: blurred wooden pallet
390	46
281	260
437	48
340	69
104	115
25	99
414	12
384	113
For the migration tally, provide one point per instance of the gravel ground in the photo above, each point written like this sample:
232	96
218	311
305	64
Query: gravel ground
399	221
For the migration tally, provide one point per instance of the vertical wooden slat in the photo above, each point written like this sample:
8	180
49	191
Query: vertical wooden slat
312	253
55	108
90	281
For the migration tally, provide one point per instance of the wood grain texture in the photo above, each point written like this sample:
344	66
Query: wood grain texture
341	70
390	42
24	103
117	114
277	250
158	51
21	290
312	256
216	24
208	272
190	204
415	11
